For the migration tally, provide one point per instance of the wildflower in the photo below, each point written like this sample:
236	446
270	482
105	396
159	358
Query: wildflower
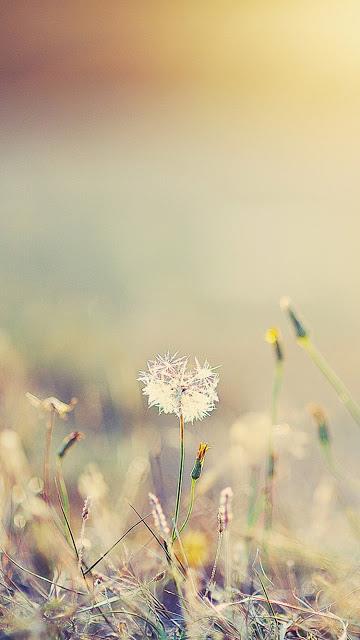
160	521
225	511
52	404
199	461
272	336
69	441
84	518
173	388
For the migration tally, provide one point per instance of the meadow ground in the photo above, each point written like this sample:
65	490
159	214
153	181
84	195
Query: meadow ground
254	533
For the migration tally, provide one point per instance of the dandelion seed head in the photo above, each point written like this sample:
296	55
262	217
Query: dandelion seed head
173	388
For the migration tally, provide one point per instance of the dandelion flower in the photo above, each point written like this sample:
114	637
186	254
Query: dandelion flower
272	335
190	394
173	388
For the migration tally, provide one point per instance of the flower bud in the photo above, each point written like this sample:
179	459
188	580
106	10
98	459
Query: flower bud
69	441
199	461
299	328
320	419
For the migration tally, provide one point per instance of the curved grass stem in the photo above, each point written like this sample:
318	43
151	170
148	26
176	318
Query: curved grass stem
336	382
213	571
334	470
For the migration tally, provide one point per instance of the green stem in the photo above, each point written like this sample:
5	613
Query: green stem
180	478
191	504
341	390
278	378
63	492
269	484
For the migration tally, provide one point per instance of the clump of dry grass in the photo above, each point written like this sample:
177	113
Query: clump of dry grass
190	570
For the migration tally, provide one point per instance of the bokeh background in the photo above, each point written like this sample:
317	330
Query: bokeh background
169	171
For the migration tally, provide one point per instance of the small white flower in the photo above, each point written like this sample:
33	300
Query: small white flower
52	404
173	388
225	508
160	521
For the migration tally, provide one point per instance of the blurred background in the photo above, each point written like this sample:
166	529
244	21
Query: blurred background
169	171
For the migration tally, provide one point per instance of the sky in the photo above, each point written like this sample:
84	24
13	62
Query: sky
169	171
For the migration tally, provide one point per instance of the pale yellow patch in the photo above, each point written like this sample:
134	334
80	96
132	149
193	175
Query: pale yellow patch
196	548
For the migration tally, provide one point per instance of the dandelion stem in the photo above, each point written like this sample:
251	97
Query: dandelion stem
340	388
191	505
48	439
180	478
